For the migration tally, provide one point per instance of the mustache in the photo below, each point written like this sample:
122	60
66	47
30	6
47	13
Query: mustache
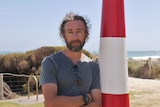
75	41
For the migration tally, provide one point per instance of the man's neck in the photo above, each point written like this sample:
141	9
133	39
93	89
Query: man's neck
74	56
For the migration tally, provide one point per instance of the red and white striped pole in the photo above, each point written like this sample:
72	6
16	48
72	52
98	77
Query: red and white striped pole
113	55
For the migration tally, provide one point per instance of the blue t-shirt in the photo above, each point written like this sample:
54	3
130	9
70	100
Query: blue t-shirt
58	68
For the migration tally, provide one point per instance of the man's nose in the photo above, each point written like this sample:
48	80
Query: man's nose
75	35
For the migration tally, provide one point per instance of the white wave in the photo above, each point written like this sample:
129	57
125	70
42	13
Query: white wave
145	57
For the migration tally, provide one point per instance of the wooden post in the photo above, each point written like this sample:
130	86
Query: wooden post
1	86
150	65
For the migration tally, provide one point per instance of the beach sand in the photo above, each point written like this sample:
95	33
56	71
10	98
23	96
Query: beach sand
137	84
144	92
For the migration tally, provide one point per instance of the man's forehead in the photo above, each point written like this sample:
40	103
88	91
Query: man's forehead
75	24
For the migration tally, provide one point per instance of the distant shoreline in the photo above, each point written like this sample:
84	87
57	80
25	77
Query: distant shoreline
144	58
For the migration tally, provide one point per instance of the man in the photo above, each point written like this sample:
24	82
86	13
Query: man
69	78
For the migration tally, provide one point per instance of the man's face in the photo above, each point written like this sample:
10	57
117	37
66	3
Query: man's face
74	35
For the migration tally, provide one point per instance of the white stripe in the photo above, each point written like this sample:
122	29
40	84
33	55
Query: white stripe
113	65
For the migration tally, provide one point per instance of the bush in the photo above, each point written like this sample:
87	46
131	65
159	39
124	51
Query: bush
140	69
134	68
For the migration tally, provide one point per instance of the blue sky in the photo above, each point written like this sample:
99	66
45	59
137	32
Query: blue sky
30	24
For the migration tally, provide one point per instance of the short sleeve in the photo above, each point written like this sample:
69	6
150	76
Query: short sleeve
48	71
96	77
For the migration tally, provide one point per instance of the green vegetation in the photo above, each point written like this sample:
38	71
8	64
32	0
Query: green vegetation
10	104
30	62
144	99
140	69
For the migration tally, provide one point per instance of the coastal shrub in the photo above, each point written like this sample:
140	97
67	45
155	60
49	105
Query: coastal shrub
59	48
11	61
23	66
141	69
156	71
38	55
1	63
134	68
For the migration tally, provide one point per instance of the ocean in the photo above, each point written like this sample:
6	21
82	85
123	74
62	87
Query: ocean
143	54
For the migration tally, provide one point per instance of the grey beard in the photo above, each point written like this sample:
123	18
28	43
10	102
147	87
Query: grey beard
75	48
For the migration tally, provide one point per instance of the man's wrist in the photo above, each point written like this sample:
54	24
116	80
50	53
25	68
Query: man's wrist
86	99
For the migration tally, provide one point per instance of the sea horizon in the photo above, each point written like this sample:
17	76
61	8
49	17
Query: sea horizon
143	54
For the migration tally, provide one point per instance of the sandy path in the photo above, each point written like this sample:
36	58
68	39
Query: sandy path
136	84
145	92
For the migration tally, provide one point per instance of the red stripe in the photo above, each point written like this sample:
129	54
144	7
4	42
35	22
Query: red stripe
115	100
113	22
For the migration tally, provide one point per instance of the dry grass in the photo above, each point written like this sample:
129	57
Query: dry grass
144	99
144	92
11	104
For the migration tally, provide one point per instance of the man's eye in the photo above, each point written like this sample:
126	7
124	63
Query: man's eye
78	31
70	32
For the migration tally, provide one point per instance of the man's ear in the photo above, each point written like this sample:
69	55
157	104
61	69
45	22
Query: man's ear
63	35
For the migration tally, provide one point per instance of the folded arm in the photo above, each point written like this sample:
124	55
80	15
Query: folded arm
52	100
96	99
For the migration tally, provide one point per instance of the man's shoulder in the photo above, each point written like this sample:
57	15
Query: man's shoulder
52	56
85	58
55	55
